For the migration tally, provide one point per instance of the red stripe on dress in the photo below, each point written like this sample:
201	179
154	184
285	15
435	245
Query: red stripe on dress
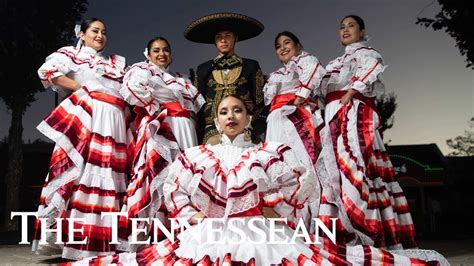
59	163
107	160
90	63
370	71
243	192
90	208
138	98
312	75
367	256
213	196
98	191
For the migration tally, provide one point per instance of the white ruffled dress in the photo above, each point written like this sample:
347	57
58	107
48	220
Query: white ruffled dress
89	167
372	198
155	89
233	180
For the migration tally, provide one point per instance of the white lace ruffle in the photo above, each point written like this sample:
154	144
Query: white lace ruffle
285	172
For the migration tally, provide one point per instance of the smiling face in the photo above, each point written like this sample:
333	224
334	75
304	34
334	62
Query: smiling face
350	31
225	42
95	36
286	48
232	116
160	53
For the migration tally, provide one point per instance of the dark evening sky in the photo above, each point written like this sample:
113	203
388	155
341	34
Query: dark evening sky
434	88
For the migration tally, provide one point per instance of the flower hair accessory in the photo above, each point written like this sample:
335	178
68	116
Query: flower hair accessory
77	32
145	53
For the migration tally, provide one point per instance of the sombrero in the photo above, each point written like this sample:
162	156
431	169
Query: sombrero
204	29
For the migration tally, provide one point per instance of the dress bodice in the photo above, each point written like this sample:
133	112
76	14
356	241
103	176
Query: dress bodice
147	85
301	75
359	68
87	67
231	177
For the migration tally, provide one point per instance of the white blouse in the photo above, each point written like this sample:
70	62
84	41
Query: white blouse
147	85
360	68
227	179
302	75
87	67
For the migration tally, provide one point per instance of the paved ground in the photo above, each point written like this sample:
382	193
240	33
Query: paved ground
458	252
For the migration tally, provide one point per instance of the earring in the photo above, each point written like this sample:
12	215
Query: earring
218	128
248	130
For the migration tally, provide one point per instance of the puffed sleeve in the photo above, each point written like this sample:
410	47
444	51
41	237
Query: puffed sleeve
270	89
178	188
289	184
369	67
310	73
137	90
57	64
192	99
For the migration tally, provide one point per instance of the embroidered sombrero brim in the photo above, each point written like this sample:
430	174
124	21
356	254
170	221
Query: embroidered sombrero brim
204	29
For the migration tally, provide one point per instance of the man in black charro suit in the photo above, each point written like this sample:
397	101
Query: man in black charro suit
228	73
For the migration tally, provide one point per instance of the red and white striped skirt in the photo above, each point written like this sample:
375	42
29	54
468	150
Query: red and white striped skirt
88	172
371	197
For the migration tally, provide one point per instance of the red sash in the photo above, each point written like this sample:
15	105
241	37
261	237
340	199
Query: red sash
175	109
306	116
337	95
104	97
282	100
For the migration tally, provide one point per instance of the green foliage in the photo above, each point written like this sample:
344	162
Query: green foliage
386	105
31	30
456	18
463	145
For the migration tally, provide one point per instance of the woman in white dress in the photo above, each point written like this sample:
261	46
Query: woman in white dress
372	198
237	181
89	167
152	86
165	105
294	94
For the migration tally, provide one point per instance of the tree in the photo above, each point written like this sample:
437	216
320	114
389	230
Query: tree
30	30
463	145
386	105
455	18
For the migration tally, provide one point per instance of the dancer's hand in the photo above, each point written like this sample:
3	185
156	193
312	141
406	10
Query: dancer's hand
196	217
269	213
348	96
299	101
66	83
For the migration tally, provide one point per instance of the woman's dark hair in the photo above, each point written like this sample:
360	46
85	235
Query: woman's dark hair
159	38
358	19
236	97
87	23
289	35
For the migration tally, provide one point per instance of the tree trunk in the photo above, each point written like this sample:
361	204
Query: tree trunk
15	168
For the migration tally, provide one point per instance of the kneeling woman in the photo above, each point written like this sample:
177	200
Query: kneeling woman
234	180
164	104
